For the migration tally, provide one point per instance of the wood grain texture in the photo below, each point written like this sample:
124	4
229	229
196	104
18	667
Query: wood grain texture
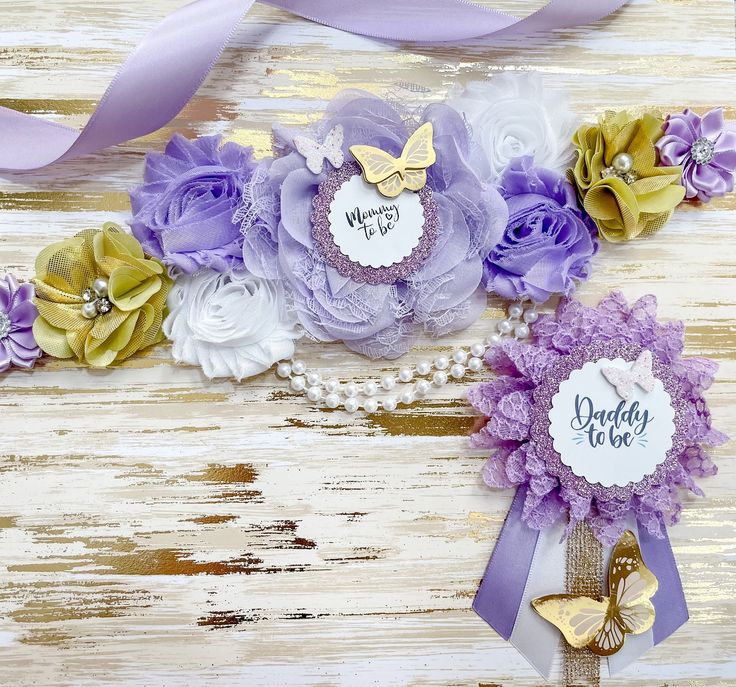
159	529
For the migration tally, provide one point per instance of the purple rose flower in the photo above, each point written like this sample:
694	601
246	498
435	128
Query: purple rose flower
445	292
706	149
548	242
17	313
183	212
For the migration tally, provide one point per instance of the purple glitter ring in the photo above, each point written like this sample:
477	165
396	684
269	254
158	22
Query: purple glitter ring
334	256
541	436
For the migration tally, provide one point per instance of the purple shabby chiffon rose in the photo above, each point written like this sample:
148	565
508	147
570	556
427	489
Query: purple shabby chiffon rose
17	313
183	212
445	292
548	242
705	147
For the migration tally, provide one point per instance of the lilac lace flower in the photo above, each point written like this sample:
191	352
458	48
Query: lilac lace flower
444	294
549	241
508	403
706	149
17	313
183	212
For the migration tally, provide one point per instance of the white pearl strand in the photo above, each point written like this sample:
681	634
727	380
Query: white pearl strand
353	396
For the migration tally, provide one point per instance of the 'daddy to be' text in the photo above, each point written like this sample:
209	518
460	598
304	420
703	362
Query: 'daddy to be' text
620	426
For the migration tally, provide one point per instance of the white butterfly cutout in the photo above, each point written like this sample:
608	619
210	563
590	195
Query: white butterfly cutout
624	380
316	153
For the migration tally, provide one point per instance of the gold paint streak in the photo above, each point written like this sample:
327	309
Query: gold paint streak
45	638
725	203
47	106
173	562
311	84
212	519
178	396
187	429
65	201
45	611
144	562
423	424
8	522
481	526
242	496
465	594
260	140
225	474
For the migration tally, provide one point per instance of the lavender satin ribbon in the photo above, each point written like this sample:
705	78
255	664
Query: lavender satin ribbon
501	592
502	588
669	601
166	69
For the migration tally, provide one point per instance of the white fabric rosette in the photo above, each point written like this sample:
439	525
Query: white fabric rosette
231	324
511	116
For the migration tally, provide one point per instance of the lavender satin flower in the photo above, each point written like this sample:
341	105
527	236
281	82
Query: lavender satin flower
548	242
17	313
705	147
183	212
442	295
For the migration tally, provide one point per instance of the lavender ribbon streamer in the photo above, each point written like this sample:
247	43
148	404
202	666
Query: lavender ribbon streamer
669	602
502	587
162	74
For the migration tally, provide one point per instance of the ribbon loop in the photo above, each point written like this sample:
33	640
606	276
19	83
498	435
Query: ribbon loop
166	69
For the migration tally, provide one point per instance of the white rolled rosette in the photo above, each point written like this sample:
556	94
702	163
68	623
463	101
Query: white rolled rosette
512	116
231	324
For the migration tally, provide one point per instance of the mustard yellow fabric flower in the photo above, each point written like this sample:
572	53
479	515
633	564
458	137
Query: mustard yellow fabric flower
99	298
617	177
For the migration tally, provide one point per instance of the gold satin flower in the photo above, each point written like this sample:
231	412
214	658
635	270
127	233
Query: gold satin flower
99	297
617	177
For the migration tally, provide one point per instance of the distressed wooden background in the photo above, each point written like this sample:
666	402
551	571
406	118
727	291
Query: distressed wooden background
158	529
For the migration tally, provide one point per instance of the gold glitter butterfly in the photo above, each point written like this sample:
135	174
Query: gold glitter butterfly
391	175
602	625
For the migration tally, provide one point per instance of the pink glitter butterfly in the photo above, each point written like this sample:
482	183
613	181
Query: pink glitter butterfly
624	380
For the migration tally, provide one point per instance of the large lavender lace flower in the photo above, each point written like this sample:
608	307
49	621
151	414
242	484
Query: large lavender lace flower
548	242
183	212
706	150
508	404
17	313
378	320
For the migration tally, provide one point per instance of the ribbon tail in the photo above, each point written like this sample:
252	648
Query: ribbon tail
525	564
669	602
502	587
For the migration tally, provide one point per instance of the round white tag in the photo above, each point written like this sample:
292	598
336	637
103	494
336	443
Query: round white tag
372	230
603	438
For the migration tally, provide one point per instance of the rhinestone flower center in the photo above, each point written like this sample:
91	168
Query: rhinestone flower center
96	301
703	151
4	325
628	177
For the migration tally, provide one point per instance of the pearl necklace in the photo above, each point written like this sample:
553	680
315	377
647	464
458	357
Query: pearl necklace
352	396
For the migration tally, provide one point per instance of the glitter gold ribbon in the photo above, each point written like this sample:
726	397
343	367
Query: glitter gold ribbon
583	576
